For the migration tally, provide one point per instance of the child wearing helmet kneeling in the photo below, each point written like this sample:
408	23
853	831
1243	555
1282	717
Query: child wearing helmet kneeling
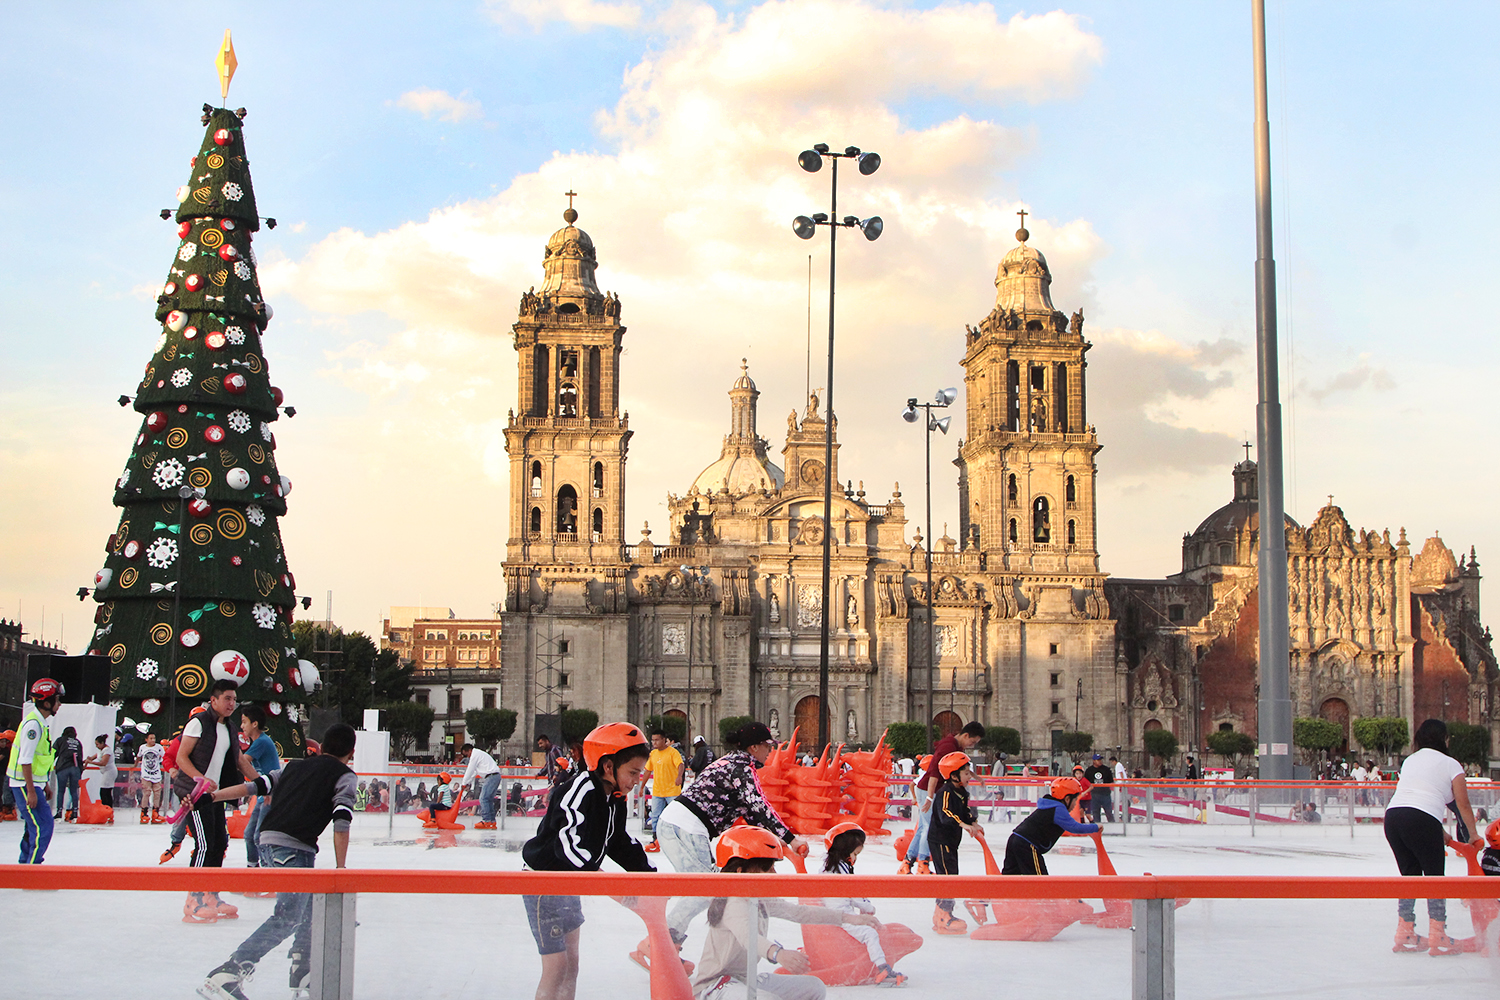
951	816
753	850
1035	835
584	824
845	841
1489	858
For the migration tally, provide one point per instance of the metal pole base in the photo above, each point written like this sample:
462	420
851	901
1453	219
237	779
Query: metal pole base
332	946
1153	949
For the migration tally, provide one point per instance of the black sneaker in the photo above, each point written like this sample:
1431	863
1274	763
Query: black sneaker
300	976
224	982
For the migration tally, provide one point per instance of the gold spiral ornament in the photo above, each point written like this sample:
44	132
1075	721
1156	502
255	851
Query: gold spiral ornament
226	608
128	577
106	612
210	384
269	658
122	536
297	736
169	352
202	195
161	633
148	460
117	652
226	458
214	161
231	523
220	276
114	684
164	606
201	534
177	437
192	680
257	453
252	362
199	477
264	582
211	238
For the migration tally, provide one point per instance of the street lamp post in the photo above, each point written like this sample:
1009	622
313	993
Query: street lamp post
942	400
811	160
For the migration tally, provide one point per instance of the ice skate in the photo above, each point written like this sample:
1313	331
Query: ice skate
905	867
490	825
199	910
224	982
923	868
946	923
978	909
887	976
170	852
226	911
652	847
1438	941
156	816
145	817
299	977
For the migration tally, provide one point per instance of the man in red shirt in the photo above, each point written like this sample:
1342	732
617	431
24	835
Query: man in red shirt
960	742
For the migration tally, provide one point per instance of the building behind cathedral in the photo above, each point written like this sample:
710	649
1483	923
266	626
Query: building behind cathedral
721	616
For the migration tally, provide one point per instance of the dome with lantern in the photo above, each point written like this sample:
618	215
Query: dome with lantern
743	465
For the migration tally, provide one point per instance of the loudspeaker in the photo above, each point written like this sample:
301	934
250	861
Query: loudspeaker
85	678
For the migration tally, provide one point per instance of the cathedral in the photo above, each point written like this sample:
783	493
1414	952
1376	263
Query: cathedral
722	617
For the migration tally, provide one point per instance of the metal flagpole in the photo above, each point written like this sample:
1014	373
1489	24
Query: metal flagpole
1275	722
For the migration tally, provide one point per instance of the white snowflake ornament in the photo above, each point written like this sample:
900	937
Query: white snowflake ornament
147	669
239	421
242	270
187	251
161	553
264	614
234	335
232	191
168	473
181	377
255	515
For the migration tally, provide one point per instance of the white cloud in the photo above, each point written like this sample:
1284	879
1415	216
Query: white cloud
440	104
579	13
1361	376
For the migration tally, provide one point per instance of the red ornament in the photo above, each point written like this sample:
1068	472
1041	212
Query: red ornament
194	282
215	341
277	687
213	434
188	333
183	230
226	223
190	637
132	549
236	561
286	580
222	137
200	507
227	251
170	288
182	408
235	383
265	479
156	420
109	546
276	396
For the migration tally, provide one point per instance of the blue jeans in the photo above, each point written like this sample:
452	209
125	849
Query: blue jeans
67	779
658	803
38	822
487	797
252	830
292	916
688	852
918	850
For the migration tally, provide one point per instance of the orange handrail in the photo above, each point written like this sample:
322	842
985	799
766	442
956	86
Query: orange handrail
78	877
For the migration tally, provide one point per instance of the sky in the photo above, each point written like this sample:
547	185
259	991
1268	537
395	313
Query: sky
416	158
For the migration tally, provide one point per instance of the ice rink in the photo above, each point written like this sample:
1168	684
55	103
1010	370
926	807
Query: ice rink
134	945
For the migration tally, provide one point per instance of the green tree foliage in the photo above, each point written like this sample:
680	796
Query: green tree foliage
354	661
730	723
1001	739
675	726
1382	734
1313	736
1161	743
906	739
578	723
1468	744
488	726
405	721
1231	745
1076	744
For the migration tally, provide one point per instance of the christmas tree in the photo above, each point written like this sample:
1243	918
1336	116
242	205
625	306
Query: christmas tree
196	587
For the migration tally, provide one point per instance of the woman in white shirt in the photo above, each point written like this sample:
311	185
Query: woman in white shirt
1430	779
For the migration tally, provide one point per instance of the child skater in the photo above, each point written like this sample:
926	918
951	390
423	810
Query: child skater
844	842
726	952
584	823
951	816
1035	835
442	796
1489	860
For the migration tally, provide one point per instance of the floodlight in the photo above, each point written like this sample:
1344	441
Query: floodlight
820	216
869	163
851	220
804	227
809	161
910	413
872	227
939	424
821	147
851	150
946	396
123	400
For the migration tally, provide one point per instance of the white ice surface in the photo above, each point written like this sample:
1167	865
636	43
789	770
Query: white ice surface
133	944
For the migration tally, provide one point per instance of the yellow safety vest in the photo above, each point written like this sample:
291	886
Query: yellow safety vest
42	763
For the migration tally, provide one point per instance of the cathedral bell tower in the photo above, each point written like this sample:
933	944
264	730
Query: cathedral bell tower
1026	472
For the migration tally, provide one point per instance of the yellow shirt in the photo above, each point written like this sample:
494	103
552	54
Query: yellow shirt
664	766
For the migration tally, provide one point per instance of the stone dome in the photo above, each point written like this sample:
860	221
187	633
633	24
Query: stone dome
569	262
1023	281
745	473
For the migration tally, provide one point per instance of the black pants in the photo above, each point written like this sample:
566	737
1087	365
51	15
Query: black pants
210	833
1101	801
1022	858
107	796
1416	839
944	862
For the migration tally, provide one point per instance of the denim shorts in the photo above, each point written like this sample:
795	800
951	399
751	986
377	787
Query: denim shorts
552	919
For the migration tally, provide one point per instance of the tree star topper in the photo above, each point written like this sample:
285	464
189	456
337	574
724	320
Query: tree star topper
227	64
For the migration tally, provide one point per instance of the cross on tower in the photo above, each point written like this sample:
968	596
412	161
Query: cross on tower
1023	213
1330	499
571	195
1246	446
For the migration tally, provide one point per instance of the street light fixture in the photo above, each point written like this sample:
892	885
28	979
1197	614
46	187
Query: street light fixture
811	160
941	400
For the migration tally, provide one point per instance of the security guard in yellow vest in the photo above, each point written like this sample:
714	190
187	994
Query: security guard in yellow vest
31	760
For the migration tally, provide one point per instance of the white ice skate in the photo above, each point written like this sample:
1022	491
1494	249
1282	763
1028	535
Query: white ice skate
224	982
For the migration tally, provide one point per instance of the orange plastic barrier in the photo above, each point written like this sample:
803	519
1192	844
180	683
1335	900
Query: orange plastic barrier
839	960
239	819
90	811
446	819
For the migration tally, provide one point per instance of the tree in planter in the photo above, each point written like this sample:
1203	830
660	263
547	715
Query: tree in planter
1001	739
1382	734
675	726
405	721
196	586
906	739
1161	744
1469	745
730	723
1230	745
578	723
1315	737
488	726
1075	744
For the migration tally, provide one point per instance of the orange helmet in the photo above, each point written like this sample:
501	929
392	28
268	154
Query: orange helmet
952	763
1063	787
848	825
9	734
444	778
747	842
1492	835
610	738
926	762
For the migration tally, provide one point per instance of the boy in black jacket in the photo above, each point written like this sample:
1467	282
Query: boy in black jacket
584	823
951	816
1035	835
310	794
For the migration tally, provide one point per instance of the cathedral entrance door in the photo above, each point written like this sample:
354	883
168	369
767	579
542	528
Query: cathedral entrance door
1336	710
947	723
677	713
807	721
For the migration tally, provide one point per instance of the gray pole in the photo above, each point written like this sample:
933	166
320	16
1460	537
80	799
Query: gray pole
1275	722
833	237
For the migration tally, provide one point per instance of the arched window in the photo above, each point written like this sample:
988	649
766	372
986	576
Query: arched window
594	357
1226	552
1010	488
1072	491
1060	397
598	479
536	520
536	479
1013	396
1013	530
567	511
598	524
1041	521
539	374
1072	532
567	382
